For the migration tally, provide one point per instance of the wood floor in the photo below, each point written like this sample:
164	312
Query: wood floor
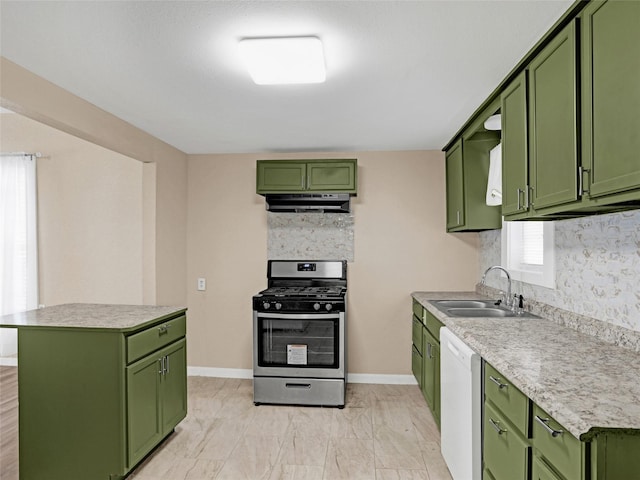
384	433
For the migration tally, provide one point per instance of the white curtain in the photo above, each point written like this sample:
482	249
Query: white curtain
18	241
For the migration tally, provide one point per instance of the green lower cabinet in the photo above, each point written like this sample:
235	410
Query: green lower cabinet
506	451
561	450
416	365
417	348
540	471
425	356
156	398
85	411
431	373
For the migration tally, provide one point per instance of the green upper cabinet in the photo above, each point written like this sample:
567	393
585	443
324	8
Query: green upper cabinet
540	132
611	96
467	172
553	133
455	187
297	176
515	157
570	118
280	176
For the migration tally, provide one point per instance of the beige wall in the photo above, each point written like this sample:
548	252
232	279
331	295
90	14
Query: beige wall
90	216
36	98
400	246
400	239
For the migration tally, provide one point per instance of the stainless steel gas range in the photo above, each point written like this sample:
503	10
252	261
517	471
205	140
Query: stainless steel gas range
299	334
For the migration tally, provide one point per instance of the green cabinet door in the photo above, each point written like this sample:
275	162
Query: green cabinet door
455	186
506	452
540	471
515	158
280	176
553	133
611	95
332	176
417	363
431	373
174	386
156	398
435	352
143	407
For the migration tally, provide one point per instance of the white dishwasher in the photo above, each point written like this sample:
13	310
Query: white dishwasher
460	407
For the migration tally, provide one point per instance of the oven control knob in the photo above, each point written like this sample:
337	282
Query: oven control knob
316	306
328	306
266	305
278	306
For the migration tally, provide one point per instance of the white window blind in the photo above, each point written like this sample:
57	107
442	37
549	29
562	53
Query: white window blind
528	252
18	241
532	237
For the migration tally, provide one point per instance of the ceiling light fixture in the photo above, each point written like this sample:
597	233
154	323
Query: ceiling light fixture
284	60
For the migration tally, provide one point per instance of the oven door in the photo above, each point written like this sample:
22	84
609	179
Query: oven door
307	345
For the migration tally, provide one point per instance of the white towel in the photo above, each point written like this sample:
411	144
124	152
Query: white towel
494	182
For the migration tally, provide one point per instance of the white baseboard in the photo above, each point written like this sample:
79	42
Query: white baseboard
247	373
220	372
351	378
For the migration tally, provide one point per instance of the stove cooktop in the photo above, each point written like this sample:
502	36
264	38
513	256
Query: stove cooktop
295	291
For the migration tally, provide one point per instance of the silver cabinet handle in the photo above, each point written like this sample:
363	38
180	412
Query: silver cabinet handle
163	328
429	351
496	427
498	382
457	217
518	192
161	361
545	423
581	172
167	364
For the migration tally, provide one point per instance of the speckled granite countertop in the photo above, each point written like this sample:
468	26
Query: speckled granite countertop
585	383
88	315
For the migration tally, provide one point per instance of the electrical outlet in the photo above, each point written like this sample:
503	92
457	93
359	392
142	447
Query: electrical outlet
202	284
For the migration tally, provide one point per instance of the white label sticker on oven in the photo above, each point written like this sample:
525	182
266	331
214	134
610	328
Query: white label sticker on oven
297	354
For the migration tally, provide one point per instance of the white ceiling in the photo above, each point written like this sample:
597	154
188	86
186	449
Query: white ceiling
401	75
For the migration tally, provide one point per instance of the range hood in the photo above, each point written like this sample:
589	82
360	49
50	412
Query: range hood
309	202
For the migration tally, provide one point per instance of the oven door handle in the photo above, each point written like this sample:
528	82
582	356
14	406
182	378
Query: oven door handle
299	316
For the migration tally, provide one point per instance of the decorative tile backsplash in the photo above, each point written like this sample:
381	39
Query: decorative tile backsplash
310	236
597	268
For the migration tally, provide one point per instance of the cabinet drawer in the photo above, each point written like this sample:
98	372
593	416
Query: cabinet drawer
417	310
507	398
433	325
153	338
416	335
540	470
506	452
563	451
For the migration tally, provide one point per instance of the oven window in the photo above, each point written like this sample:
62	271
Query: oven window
298	343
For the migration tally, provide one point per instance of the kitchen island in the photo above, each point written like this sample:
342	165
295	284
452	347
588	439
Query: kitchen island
99	386
589	386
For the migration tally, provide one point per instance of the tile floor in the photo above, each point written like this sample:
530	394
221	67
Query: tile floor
385	432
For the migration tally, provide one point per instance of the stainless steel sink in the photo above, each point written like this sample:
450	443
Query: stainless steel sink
480	312
465	303
476	308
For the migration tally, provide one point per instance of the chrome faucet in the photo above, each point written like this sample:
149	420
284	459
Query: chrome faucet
509	302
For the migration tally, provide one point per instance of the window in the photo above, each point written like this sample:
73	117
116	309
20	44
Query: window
528	252
18	241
